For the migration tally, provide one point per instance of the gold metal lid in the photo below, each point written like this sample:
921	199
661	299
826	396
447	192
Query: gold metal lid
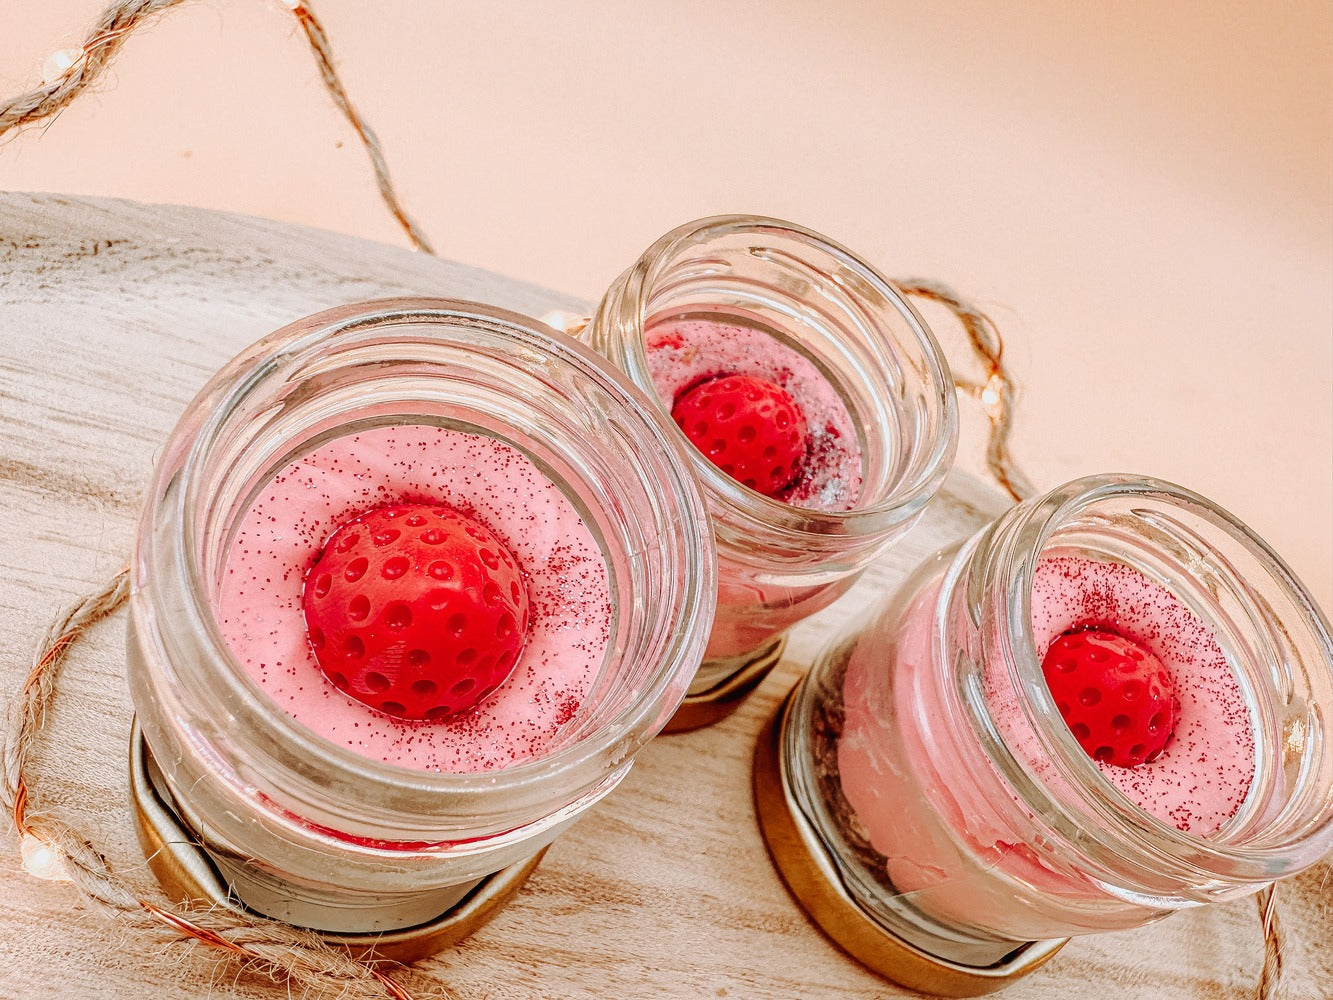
186	872
812	878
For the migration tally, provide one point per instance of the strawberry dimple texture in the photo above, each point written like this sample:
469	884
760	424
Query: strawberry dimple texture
750	428
1116	697
416	610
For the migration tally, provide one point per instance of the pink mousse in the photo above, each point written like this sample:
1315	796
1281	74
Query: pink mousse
942	831
684	352
1201	779
259	606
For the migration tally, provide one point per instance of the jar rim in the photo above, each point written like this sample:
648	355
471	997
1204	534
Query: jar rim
679	641
901	499
1018	542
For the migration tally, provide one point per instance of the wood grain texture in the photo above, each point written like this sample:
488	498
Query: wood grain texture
112	314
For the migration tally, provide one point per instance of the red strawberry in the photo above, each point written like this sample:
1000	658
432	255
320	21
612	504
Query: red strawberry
749	427
416	610
1115	696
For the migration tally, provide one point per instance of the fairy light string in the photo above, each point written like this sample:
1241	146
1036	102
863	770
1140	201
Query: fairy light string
996	394
52	850
67	73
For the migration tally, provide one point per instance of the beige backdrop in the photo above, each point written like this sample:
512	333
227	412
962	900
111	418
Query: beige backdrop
1139	191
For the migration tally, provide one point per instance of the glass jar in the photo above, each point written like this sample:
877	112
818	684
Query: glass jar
931	768
309	830
836	322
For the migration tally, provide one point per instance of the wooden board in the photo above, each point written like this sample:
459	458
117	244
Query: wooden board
112	314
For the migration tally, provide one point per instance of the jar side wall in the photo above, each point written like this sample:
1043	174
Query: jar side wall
917	820
228	750
957	822
779	563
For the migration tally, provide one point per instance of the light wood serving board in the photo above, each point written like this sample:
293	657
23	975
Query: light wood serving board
112	315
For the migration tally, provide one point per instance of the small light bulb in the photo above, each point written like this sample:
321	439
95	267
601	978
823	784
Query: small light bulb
572	323
41	860
990	395
59	63
291	4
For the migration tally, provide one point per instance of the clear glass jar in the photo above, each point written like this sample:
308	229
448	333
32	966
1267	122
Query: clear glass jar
929	756
326	837
781	562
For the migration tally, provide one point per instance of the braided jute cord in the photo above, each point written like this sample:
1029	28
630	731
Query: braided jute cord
996	393
266	947
113	27
270	947
1271	976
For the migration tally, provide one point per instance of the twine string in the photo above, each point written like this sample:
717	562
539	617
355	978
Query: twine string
267	946
103	42
1271	975
114	26
323	53
997	393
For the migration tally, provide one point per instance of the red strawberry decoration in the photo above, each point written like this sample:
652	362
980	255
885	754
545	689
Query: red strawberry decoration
749	427
416	610
1115	696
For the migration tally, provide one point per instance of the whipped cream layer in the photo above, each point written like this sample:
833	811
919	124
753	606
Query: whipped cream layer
259	604
684	352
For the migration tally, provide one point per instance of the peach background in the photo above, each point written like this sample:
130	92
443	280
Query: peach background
1139	192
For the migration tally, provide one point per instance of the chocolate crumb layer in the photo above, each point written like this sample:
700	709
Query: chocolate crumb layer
826	726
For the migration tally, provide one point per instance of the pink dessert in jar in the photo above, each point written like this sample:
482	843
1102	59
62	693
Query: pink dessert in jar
404	610
954	850
535	539
815	408
812	460
1105	706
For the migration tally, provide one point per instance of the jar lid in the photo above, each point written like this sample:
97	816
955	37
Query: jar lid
186	871
812	878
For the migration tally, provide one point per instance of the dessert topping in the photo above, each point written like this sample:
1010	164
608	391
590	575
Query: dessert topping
417	610
1116	696
751	428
